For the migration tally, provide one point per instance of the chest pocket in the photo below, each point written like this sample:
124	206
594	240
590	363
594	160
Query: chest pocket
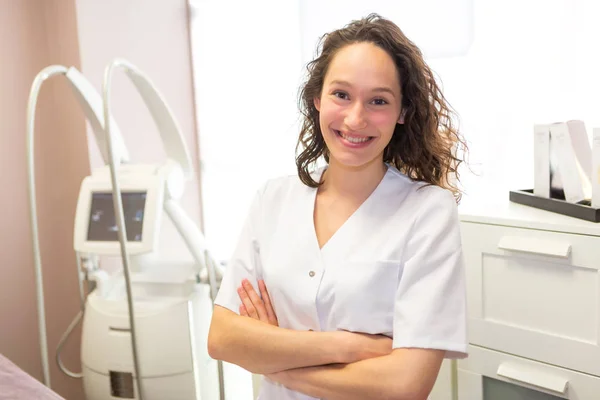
365	294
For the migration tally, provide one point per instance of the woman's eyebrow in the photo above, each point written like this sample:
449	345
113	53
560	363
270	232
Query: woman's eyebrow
383	89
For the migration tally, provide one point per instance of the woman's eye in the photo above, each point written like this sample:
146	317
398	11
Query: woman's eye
379	102
341	95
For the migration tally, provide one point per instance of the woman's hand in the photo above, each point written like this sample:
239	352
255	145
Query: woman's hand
353	346
254	306
282	377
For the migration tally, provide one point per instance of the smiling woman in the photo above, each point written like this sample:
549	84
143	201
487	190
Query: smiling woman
378	74
360	104
347	281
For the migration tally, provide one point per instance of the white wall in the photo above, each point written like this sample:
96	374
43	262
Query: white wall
247	69
504	65
441	28
249	61
531	62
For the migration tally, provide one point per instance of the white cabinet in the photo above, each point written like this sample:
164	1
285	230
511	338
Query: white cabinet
492	375
533	286
535	294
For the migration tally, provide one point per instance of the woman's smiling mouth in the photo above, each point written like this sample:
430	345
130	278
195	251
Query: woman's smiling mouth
354	141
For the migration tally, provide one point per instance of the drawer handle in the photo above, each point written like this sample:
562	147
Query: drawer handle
544	247
530	376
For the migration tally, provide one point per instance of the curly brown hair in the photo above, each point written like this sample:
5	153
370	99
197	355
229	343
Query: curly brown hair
427	146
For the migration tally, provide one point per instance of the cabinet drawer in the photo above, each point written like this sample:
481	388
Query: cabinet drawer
535	294
535	376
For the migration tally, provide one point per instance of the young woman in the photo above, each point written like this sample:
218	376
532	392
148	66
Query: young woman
362	259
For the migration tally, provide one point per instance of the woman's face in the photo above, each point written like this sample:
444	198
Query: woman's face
360	105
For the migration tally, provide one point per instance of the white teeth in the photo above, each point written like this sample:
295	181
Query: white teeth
354	140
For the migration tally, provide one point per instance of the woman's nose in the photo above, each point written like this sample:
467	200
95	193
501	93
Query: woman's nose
356	118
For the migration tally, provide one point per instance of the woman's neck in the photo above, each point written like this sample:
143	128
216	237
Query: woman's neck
352	182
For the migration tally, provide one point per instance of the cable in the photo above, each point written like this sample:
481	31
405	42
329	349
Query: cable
37	260
74	323
62	342
120	218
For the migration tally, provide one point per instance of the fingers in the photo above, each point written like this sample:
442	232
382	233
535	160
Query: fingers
252	301
255	306
268	305
247	303
243	311
258	303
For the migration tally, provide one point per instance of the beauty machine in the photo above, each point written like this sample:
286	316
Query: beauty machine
145	326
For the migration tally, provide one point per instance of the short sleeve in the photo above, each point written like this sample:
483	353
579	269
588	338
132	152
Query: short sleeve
430	303
245	261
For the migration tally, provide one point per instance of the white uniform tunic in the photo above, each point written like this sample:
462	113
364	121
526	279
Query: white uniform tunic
394	267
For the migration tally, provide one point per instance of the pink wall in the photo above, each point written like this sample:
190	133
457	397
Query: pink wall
33	35
86	34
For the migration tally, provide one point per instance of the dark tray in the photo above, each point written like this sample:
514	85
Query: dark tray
582	211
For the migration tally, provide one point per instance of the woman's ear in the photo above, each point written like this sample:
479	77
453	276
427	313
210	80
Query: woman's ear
401	119
317	102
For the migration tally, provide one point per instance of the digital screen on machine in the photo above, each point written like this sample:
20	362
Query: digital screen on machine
102	225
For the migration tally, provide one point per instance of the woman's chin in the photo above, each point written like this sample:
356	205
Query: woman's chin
354	161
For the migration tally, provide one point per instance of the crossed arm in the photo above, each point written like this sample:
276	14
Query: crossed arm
331	365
